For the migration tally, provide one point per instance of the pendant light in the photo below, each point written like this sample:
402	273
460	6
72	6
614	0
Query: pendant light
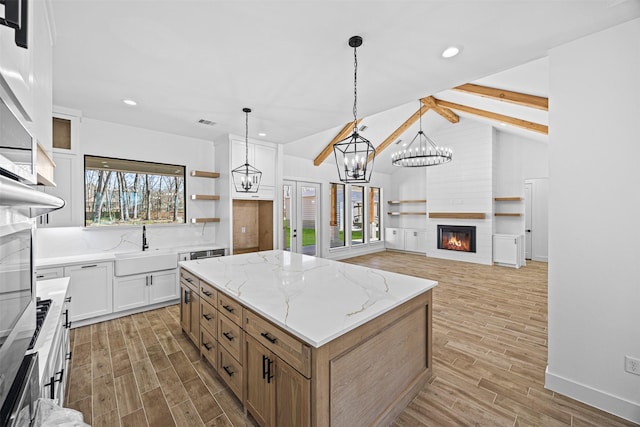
425	153
354	154
246	178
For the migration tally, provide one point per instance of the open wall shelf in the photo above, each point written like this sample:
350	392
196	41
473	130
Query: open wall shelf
203	220
508	199
204	197
507	214
457	215
205	174
397	202
406	213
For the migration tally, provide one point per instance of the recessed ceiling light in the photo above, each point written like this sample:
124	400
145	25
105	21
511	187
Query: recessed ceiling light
262	134
450	52
129	102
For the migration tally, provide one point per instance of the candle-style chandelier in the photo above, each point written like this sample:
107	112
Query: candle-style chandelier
246	178
425	153
354	154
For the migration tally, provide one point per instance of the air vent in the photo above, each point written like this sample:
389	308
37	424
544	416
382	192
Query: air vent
363	128
398	141
206	122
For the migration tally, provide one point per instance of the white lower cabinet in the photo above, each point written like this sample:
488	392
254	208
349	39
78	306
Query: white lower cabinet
406	239
49	273
144	289
508	250
91	288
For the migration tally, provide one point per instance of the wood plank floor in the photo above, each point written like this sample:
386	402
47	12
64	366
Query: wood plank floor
489	344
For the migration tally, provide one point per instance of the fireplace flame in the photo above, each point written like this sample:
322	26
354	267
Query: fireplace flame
456	244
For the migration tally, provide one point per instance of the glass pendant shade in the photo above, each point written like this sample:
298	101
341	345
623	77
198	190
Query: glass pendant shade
354	157
246	178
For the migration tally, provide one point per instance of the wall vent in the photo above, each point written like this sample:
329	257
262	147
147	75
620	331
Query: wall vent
363	128
398	141
206	122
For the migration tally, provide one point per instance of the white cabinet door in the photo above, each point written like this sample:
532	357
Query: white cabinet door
394	238
265	161
63	177
42	86
130	292
140	290
505	249
163	286
91	289
415	241
49	273
17	67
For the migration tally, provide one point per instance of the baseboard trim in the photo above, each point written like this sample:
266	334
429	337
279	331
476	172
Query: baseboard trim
593	397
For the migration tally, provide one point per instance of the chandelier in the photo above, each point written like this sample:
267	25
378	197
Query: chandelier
354	154
425	153
246	178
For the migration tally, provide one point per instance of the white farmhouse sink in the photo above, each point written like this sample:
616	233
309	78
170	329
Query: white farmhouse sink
127	263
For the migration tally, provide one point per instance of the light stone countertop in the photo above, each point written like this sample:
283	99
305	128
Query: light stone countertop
315	299
111	256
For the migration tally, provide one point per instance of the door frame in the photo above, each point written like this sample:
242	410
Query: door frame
296	214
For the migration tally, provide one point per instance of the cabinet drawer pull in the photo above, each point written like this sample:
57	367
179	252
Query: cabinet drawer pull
188	279
269	375
60	375
67	323
228	371
151	280
207	346
68	356
67	299
228	336
207	293
89	266
39	276
187	294
264	366
268	337
52	390
228	308
207	316
146	280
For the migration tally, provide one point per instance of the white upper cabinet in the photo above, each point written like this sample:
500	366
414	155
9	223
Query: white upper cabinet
262	157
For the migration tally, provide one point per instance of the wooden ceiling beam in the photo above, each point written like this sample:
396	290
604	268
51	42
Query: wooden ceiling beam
401	129
536	127
344	132
539	102
430	102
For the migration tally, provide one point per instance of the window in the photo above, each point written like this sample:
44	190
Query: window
129	192
336	222
357	214
374	214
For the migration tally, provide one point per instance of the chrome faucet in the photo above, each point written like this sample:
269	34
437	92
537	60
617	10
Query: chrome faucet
145	244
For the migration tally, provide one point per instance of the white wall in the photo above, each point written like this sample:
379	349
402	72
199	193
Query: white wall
594	271
114	140
516	159
299	169
407	184
464	185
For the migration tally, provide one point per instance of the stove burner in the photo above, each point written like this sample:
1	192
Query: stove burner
42	307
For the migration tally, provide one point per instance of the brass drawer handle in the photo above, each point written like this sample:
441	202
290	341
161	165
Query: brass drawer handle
268	337
228	308
228	336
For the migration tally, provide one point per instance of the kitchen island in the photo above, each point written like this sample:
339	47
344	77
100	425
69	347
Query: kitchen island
306	341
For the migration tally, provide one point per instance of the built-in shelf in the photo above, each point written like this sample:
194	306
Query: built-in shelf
406	213
205	174
201	220
507	214
508	199
457	215
397	202
204	197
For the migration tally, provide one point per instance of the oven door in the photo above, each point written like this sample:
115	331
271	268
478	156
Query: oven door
20	407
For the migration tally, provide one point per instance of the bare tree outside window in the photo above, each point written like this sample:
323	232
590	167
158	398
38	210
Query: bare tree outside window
129	192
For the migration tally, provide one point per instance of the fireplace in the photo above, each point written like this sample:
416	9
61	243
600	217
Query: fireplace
457	238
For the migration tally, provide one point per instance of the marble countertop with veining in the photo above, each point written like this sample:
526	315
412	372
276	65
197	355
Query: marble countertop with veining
315	299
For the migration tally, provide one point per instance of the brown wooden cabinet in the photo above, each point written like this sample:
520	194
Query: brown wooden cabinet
276	394
190	306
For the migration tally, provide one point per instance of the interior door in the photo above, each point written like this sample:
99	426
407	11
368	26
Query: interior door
301	215
528	237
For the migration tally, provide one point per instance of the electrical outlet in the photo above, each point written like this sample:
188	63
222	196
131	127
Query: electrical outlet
244	230
632	365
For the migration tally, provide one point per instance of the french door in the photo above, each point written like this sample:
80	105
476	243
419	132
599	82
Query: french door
301	217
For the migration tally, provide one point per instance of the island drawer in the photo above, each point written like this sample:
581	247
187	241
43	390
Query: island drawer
230	336
286	346
208	317
209	347
208	293
230	308
190	280
230	370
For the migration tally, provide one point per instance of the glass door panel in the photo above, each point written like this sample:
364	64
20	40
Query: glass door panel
301	212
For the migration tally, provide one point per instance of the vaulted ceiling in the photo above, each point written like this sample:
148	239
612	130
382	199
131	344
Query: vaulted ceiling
289	60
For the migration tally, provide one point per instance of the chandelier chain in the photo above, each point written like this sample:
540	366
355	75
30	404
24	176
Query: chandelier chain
355	89
246	138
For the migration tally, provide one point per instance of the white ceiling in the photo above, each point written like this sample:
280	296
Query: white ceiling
289	60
